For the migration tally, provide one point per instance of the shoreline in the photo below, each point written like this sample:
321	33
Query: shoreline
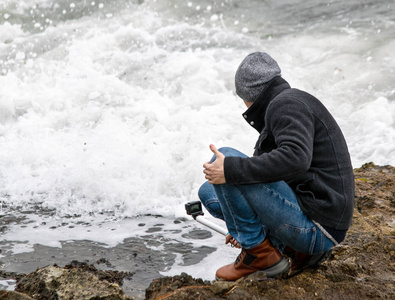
136	257
142	259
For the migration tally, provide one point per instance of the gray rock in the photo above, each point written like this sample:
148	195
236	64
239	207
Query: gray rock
70	283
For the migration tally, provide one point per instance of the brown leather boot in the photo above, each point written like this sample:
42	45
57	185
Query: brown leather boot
301	261
263	258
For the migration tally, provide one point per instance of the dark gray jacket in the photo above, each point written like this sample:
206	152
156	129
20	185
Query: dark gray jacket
300	143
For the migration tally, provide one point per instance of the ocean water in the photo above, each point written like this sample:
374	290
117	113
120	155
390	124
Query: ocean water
107	108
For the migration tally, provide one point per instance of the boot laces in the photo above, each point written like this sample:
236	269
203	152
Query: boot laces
240	257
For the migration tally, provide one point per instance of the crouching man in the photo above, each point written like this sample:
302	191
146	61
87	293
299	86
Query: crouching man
295	195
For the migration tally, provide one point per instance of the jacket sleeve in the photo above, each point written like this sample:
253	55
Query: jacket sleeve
292	125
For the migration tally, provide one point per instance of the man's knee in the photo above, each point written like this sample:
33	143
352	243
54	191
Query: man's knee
228	151
203	190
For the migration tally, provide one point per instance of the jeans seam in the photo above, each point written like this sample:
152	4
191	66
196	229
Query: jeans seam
279	196
313	241
313	230
211	201
229	207
234	220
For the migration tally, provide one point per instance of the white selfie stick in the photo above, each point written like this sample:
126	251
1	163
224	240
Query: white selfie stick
194	209
211	225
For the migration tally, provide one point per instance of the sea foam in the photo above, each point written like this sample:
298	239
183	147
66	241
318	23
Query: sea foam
108	108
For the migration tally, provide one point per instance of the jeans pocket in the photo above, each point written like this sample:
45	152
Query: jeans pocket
300	239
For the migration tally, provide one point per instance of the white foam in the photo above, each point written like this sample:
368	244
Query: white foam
222	256
118	116
52	231
7	284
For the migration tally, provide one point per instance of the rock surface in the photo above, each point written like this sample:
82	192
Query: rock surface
11	295
362	267
75	281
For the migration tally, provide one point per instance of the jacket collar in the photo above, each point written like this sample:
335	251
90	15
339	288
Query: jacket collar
255	114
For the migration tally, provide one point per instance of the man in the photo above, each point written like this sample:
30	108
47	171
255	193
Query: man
296	194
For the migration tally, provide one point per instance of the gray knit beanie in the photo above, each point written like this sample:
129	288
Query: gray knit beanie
253	73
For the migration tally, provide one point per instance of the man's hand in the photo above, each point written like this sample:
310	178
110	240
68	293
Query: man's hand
232	241
215	171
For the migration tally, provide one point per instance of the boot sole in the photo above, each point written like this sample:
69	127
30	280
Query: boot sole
314	262
279	270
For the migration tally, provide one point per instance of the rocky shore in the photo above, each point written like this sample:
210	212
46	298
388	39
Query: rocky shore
363	266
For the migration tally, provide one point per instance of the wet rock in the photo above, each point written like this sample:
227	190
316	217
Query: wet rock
178	287
11	295
222	287
339	277
72	282
198	234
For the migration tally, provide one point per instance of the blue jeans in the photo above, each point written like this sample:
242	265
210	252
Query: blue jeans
254	212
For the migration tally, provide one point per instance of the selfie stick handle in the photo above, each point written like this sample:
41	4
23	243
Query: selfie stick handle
211	225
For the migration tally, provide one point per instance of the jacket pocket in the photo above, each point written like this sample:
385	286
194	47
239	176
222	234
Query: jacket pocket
264	144
304	190
261	139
